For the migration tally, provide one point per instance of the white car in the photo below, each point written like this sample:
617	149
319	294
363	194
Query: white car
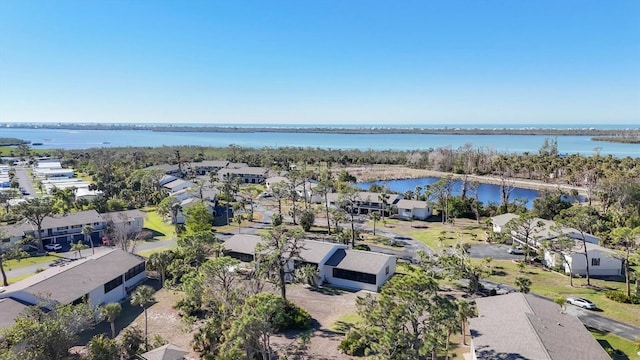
582	302
53	247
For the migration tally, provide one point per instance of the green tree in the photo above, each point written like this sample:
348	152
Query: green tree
458	265
78	247
110	312
583	219
440	193
35	210
39	334
561	301
626	239
525	229
238	219
143	297
307	218
523	284
131	339
324	187
87	231
276	253
408	320
374	216
160	262
198	218
9	252
348	201
465	311
101	347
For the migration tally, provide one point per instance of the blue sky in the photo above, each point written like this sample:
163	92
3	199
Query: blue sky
321	62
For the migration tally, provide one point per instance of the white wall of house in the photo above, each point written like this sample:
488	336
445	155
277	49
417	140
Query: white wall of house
414	213
385	273
601	263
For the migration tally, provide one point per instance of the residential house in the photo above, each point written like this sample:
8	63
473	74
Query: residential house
524	326
67	229
129	222
337	265
5	182
602	261
499	222
274	180
50	169
368	201
414	209
176	185
247	175
304	190
166	352
102	278
169	169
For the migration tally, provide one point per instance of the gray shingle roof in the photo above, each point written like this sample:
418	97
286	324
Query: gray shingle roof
314	251
242	243
502	220
70	219
66	284
524	326
356	260
412	204
9	311
166	352
122	216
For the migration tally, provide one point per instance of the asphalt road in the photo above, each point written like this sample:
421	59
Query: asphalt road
494	251
24	180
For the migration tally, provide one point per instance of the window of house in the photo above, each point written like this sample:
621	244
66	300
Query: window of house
113	284
386	270
595	262
354	276
134	271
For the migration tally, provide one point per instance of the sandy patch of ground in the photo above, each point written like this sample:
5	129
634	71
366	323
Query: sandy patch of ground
325	308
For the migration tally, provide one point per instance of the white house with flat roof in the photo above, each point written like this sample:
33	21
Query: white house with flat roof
336	263
414	209
102	278
602	261
524	326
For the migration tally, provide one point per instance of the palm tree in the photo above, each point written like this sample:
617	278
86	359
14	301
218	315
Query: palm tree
86	231
238	220
159	262
78	247
110	312
375	216
465	310
143	296
523	284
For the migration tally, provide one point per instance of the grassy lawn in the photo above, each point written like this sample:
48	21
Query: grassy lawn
437	235
33	260
147	253
551	285
616	345
15	279
155	223
345	322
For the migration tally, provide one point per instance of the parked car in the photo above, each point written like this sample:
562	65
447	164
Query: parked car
582	302
519	250
53	247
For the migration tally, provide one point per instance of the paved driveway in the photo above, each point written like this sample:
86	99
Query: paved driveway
495	251
25	182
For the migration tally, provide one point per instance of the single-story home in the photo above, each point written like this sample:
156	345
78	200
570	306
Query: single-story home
367	202
336	264
414	209
524	326
247	175
500	221
166	352
102	278
602	261
129	221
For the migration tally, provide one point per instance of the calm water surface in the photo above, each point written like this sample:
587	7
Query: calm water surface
82	139
487	193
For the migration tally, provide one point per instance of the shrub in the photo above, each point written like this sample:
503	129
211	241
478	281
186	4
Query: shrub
363	247
355	343
306	219
621	297
291	317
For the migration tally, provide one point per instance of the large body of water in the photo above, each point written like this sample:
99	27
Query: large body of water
82	139
487	193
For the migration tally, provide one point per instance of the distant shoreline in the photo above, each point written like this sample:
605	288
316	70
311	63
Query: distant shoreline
599	134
